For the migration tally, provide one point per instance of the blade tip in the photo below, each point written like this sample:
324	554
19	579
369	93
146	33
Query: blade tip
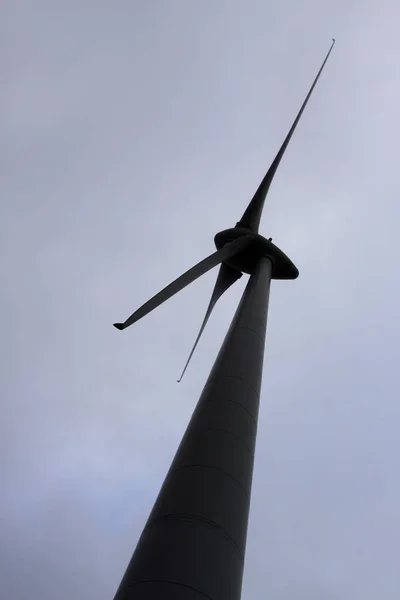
119	326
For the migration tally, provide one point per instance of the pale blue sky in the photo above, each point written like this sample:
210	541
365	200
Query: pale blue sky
131	132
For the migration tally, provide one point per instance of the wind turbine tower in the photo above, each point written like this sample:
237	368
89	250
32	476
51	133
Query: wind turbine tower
193	544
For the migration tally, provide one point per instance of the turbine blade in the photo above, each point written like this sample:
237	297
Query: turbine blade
252	215
202	267
226	277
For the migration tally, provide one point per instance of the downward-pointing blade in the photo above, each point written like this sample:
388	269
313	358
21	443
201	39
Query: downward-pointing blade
202	267
252	215
226	277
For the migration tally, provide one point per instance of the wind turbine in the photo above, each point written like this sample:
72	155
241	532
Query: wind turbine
193	544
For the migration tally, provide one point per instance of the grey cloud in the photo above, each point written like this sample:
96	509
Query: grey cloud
130	134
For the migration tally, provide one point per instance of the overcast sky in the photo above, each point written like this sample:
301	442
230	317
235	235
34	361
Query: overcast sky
131	132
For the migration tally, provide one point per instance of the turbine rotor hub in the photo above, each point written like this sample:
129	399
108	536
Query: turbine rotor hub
259	247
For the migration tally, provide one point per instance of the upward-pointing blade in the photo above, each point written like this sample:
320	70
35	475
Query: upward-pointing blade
252	215
226	277
229	250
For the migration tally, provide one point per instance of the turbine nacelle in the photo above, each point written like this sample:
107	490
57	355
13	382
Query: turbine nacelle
247	260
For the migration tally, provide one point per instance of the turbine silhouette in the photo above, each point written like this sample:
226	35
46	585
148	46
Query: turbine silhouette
238	248
180	554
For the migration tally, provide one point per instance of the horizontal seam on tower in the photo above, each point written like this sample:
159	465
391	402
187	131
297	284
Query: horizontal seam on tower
233	435
245	409
198	518
189	587
215	378
260	335
211	467
239	404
